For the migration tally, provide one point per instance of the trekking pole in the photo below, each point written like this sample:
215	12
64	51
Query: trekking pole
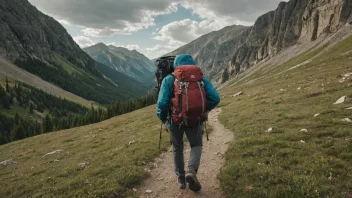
206	131
161	129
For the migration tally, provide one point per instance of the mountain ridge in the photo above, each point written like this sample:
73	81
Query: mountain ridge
42	46
291	23
130	62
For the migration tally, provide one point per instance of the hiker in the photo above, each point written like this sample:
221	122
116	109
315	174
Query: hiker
190	98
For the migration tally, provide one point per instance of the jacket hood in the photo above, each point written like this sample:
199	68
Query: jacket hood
184	59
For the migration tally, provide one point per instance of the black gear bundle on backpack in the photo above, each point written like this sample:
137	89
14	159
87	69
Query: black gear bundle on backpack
164	67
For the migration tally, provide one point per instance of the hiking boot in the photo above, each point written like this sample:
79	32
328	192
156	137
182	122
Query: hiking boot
182	182
193	182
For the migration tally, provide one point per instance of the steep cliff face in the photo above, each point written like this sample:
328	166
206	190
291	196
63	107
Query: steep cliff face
324	16
291	23
25	32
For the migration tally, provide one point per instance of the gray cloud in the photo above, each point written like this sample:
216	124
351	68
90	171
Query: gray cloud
107	17
119	16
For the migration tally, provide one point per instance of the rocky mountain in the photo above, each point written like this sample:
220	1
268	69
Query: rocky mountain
42	46
129	62
235	49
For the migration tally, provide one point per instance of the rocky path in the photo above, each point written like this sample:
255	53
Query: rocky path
163	182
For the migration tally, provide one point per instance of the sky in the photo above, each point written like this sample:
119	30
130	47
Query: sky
152	27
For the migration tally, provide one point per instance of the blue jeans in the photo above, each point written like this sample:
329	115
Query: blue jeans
194	136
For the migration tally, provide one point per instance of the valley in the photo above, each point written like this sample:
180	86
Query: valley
80	120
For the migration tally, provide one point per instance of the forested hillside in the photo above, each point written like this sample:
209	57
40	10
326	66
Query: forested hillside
27	111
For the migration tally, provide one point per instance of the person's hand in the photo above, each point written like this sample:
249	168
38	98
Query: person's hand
166	127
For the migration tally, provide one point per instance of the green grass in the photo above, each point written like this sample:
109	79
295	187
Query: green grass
288	162
115	166
66	65
24	112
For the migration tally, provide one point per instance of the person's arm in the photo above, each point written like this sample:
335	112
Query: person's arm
213	98
163	104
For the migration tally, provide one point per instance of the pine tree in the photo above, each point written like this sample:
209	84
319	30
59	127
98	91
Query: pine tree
31	108
5	102
7	85
47	124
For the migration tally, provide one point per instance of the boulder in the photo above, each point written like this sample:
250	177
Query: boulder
149	191
343	99
346	120
7	162
269	130
82	166
238	94
53	153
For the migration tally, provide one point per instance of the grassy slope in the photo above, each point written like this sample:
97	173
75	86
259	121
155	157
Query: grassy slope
288	168
115	166
278	164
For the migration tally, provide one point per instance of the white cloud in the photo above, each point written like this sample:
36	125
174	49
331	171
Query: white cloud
83	41
157	51
242	11
186	30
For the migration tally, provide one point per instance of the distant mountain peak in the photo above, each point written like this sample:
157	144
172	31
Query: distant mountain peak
98	46
130	62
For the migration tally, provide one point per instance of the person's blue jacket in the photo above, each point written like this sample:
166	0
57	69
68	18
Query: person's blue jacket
167	88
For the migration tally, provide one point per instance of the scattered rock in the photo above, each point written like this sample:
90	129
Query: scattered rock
134	189
53	153
282	90
341	100
346	120
302	141
349	108
56	160
7	162
304	130
238	94
149	191
299	88
269	130
131	142
82	166
345	77
249	188
100	129
316	115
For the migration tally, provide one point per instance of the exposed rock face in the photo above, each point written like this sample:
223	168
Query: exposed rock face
291	23
131	63
212	49
40	45
25	31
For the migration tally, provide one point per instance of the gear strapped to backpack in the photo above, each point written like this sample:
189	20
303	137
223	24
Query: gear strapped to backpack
164	67
189	103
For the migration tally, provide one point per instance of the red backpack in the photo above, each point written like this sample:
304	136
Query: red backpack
189	103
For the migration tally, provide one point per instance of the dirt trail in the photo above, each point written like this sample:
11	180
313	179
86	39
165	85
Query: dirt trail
163	182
